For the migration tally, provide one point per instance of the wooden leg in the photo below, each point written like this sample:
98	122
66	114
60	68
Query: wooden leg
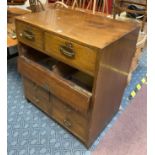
143	23
107	7
9	56
28	101
94	6
89	4
83	4
103	6
74	3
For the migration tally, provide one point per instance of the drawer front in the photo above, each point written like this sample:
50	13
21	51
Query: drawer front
73	54
36	94
69	93
29	35
29	89
70	119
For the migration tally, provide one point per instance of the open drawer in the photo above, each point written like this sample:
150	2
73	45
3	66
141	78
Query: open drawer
59	84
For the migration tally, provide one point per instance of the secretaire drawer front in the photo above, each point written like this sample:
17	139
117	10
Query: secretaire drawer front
69	118
37	95
69	93
71	53
29	89
29	35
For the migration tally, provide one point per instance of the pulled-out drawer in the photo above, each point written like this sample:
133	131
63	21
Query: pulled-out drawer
29	35
70	119
36	94
71	53
75	96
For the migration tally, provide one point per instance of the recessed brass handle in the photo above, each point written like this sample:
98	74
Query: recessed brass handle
28	35
68	52
67	123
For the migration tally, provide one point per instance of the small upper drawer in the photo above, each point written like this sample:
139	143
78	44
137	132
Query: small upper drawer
29	35
71	53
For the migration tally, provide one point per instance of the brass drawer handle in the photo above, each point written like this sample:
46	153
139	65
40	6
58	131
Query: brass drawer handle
67	123
28	35
68	52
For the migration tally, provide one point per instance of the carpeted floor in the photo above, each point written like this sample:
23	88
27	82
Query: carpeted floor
31	132
128	135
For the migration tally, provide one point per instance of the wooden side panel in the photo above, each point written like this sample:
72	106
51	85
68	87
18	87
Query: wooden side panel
111	82
135	59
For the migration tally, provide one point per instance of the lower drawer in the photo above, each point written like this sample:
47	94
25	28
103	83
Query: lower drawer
37	95
70	119
66	116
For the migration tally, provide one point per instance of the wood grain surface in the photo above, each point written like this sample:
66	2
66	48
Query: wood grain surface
100	48
90	30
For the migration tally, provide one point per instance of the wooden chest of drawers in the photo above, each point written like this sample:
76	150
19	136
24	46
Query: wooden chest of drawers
75	67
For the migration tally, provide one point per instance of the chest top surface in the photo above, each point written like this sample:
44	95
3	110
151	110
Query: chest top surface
92	30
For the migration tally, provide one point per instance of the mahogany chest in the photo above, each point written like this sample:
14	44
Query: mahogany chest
75	67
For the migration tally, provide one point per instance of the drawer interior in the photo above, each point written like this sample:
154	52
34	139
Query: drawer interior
62	70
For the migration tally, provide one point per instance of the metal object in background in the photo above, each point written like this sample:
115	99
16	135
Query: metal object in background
36	6
102	6
16	2
138	87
